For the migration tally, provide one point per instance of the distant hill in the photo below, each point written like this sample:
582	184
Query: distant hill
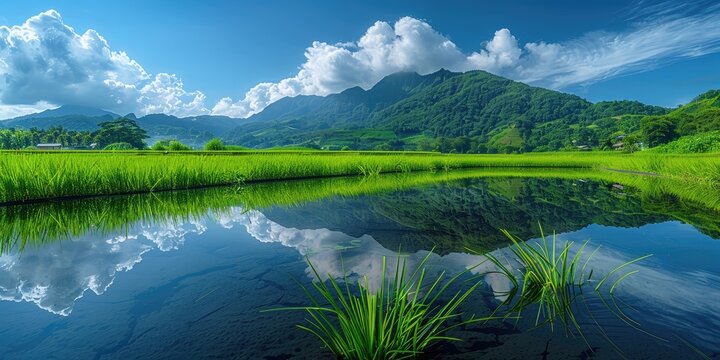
444	111
66	110
194	131
700	115
473	111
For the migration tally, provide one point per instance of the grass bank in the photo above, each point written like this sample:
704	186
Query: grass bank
36	176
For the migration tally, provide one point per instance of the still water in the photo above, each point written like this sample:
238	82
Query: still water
186	275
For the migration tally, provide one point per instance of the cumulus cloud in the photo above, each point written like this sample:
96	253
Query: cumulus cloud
413	45
44	61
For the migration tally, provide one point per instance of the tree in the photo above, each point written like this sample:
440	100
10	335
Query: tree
461	144
121	130
215	144
658	131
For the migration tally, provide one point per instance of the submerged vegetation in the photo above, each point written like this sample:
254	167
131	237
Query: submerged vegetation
39	176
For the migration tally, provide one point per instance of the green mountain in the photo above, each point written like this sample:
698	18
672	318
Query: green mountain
466	112
700	116
194	131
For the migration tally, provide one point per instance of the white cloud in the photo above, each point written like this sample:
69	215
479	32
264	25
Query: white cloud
413	45
45	61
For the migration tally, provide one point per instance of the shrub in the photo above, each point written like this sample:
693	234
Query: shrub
170	145
175	145
119	146
160	146
214	144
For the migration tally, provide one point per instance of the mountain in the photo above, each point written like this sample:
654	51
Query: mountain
73	117
471	111
445	111
194	131
66	110
700	115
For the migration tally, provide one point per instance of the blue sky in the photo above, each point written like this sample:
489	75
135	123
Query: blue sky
191	58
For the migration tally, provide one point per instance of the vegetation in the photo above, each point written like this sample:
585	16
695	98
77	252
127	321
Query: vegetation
30	176
399	319
119	146
194	131
432	215
121	130
117	131
553	280
402	317
170	145
472	112
702	143
699	116
215	144
21	139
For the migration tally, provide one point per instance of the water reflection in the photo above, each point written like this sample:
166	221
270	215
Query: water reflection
58	274
346	225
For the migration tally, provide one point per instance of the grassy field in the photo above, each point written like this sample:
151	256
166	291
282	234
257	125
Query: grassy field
35	176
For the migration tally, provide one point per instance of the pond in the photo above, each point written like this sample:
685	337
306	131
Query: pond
187	274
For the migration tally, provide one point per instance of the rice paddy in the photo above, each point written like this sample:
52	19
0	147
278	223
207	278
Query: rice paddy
37	176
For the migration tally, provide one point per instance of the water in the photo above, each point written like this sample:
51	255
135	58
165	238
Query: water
186	275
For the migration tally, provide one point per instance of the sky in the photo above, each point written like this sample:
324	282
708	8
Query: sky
235	58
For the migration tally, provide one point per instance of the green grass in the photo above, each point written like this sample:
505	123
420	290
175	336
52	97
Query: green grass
29	176
402	317
507	137
702	143
553	281
398	320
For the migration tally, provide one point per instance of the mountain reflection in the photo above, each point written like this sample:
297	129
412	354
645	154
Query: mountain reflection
347	226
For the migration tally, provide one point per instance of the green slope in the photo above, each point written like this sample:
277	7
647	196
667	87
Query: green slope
461	112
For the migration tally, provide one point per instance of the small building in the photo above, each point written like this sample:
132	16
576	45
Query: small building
583	148
618	145
49	146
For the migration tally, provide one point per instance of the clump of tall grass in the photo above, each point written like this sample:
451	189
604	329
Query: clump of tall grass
553	280
398	320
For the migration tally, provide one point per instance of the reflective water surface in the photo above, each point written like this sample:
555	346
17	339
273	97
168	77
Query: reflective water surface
186	274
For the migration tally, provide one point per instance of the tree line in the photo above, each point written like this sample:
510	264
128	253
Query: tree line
121	130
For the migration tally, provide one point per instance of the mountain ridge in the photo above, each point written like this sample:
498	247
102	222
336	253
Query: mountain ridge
404	110
473	111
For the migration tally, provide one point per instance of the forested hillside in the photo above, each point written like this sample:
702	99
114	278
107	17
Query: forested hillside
444	111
